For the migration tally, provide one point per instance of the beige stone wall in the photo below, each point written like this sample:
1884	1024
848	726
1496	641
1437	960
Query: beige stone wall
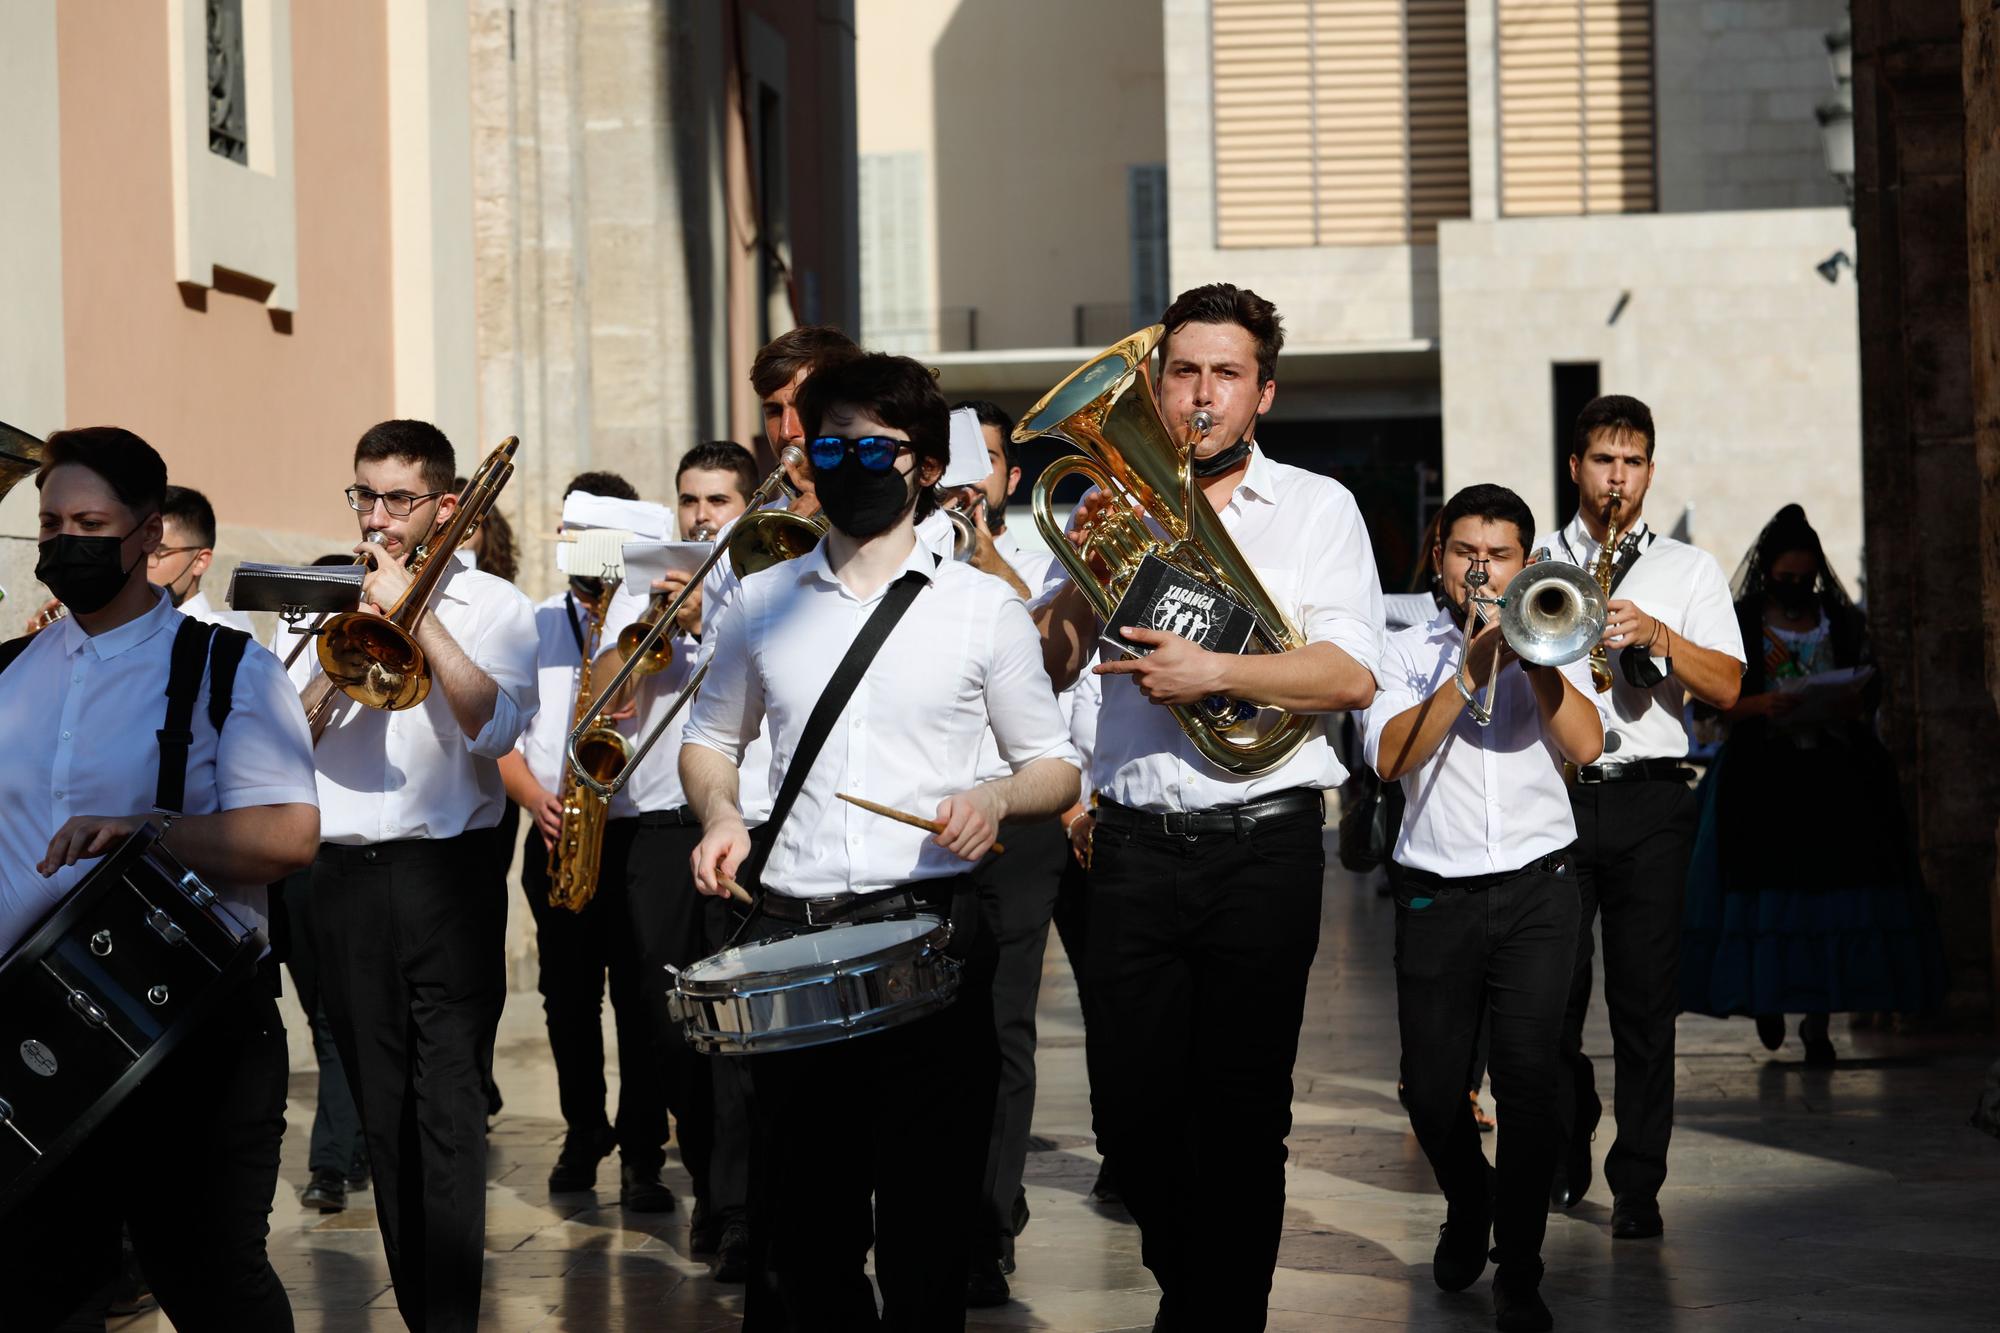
1747	357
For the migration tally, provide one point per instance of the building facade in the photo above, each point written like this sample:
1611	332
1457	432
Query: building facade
252	228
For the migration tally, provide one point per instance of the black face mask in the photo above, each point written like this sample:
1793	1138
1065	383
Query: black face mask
84	572
1793	596
861	503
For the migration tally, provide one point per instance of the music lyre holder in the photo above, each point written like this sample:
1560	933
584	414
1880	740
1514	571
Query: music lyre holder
295	592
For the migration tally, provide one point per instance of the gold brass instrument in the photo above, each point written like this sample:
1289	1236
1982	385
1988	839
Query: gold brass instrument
1551	614
1106	408
661	654
375	660
760	538
20	457
1603	572
579	850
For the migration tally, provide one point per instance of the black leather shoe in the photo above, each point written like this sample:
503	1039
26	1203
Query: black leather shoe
704	1232
1635	1217
1518	1307
1460	1256
357	1176
732	1255
1819	1048
328	1192
576	1166
986	1286
640	1190
1771	1030
1104	1192
1573	1176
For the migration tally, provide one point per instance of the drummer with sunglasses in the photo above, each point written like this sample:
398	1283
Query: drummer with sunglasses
900	1115
82	705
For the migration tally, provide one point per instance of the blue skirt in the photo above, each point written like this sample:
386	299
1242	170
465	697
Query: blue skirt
1802	894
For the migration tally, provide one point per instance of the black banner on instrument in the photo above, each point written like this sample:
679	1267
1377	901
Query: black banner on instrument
1167	598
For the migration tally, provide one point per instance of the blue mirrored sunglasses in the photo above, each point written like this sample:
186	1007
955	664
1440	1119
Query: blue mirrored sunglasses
876	453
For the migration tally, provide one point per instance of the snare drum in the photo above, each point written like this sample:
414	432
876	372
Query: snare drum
811	989
100	992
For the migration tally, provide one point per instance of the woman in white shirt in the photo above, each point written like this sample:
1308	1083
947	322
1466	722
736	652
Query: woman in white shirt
1486	904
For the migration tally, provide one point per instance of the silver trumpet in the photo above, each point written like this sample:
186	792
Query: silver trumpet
1551	614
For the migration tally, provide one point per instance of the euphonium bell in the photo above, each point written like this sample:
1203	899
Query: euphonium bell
767	537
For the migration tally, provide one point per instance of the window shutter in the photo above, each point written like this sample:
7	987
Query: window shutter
1576	107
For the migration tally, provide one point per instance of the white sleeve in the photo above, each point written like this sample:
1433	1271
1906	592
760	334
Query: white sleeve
1400	686
507	650
1341	592
1020	705
728	712
265	753
1711	611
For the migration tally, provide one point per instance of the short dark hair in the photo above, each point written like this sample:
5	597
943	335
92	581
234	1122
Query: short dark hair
190	508
811	347
992	414
607	484
722	456
1615	412
132	468
897	392
416	442
1226	303
1496	504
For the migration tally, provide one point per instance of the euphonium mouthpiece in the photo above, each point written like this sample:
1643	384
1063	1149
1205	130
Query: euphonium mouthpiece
1202	422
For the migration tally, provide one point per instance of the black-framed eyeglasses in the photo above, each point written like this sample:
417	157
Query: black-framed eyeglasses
875	453
400	504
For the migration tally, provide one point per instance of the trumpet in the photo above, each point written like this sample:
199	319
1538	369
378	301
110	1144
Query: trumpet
1106	409
376	660
760	539
1551	614
575	859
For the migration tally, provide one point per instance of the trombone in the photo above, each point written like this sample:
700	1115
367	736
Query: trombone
761	538
1550	615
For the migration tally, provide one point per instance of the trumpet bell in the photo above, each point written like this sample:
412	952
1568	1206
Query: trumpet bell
1553	613
767	537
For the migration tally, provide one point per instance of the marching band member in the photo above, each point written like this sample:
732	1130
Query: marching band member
410	922
190	532
1205	886
901	1115
1671	633
1486	904
81	706
575	950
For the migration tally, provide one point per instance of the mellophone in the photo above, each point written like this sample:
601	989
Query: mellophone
104	988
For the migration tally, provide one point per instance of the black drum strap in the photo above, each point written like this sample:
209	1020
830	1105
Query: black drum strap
832	701
225	654
177	736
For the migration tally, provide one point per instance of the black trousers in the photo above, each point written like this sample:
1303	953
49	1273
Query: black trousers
1194	988
671	924
901	1116
1500	953
1632	848
575	952
336	1143
214	1111
1017	898
412	937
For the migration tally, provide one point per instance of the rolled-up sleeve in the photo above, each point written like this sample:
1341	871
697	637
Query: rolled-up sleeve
506	653
1342	594
1020	704
728	712
1399	687
265	755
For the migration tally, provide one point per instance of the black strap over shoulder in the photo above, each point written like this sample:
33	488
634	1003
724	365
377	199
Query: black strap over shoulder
190	655
12	649
832	702
225	654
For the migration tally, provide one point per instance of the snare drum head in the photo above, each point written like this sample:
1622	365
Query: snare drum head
836	944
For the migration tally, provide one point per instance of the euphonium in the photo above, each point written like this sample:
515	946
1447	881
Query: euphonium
20	456
1106	409
375	660
1604	571
579	850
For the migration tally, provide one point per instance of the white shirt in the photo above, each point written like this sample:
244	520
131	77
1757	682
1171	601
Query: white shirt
964	657
753	776
1490	799
385	776
1683	588
656	783
81	717
198	607
1085	697
1303	535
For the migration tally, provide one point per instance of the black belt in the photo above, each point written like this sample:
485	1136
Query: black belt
401	851
1637	770
1552	864
829	908
680	816
1236	820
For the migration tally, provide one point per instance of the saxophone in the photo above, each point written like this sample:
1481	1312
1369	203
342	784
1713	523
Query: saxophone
574	860
1605	569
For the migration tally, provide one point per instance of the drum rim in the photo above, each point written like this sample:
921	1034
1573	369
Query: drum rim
759	983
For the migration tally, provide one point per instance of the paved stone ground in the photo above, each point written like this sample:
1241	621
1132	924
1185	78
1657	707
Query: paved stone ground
1852	1199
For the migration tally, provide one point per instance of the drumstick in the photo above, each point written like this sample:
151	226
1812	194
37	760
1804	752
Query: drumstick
901	817
733	889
